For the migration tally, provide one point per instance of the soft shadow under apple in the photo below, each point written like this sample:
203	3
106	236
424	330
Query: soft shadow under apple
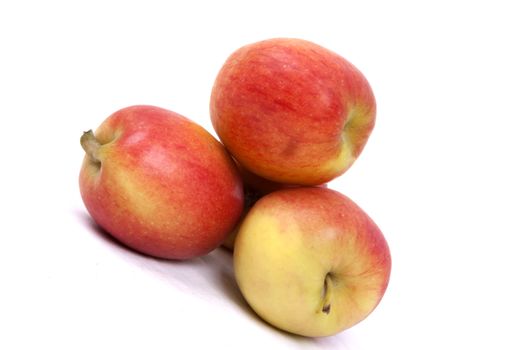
216	267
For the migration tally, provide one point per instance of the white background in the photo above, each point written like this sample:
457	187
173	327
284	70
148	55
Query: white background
442	174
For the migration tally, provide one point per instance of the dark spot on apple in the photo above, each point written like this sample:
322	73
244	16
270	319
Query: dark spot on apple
290	148
326	309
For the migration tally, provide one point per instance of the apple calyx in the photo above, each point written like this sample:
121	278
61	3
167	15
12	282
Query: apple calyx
91	145
327	294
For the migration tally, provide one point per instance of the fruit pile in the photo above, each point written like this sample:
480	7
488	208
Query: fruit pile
291	116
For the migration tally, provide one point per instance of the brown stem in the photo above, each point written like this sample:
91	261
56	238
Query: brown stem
90	145
328	286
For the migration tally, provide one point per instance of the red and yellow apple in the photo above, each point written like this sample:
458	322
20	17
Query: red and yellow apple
160	183
310	261
292	111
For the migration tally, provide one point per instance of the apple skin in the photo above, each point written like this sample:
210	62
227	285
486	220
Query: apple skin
160	183
310	261
292	111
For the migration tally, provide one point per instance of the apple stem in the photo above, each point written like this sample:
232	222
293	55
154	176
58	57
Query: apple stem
327	294
90	145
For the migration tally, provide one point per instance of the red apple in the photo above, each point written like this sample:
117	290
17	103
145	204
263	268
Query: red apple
292	111
160	183
310	261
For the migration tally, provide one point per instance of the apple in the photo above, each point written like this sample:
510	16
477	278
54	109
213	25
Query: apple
292	111
310	261
160	183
